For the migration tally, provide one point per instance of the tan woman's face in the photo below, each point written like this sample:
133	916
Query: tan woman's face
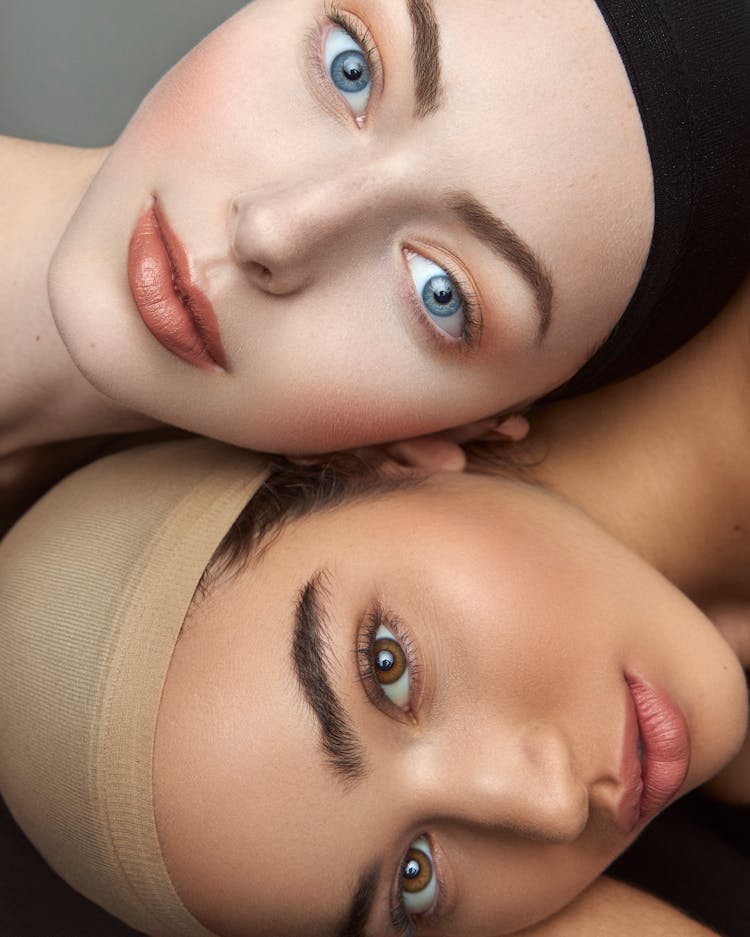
388	249
520	636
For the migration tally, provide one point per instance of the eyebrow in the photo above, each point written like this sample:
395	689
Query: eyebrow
426	56
502	239
311	657
506	243
355	923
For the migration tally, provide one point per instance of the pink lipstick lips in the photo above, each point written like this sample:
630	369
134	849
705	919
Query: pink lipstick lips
176	312
657	754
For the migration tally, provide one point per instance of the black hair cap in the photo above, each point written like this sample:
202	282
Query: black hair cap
689	66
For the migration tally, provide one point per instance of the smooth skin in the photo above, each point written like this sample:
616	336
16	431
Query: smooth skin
521	620
522	617
311	218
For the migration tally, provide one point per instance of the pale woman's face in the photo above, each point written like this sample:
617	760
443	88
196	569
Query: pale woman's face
403	215
426	707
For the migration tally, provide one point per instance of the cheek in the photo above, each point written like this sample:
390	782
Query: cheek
516	885
320	379
328	411
231	91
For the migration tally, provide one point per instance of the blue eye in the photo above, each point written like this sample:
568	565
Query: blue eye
439	293
418	880
349	69
390	667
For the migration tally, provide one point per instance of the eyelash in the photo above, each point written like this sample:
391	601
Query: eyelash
472	331
401	920
358	32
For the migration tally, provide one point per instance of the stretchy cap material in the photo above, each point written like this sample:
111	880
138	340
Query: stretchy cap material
95	582
689	66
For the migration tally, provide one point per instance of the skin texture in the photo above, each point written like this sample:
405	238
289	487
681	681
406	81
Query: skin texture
299	222
522	623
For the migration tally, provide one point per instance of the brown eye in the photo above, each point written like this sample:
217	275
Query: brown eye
417	871
389	660
390	667
419	883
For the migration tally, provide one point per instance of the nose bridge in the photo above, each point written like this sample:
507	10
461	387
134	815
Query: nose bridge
280	229
523	782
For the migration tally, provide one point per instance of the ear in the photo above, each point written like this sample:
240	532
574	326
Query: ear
428	453
442	452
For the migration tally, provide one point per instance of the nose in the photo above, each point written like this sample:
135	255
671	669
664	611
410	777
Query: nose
525	784
284	235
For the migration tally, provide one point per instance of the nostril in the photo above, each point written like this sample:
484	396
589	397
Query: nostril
260	272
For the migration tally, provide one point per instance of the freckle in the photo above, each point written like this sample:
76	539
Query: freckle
37	338
92	344
738	528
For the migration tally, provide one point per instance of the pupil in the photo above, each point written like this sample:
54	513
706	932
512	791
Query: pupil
385	660
443	296
412	869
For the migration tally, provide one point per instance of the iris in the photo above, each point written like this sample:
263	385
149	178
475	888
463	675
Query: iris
419	884
441	297
350	72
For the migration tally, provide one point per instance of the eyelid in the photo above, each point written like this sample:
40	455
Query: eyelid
472	335
360	34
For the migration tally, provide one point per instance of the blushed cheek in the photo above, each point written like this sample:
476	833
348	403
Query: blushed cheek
186	111
229	107
322	417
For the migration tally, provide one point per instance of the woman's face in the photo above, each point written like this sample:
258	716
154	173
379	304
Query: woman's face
483	660
389	247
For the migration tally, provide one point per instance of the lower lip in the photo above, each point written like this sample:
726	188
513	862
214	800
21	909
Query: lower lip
176	312
665	739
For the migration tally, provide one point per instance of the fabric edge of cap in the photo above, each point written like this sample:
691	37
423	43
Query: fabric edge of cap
138	852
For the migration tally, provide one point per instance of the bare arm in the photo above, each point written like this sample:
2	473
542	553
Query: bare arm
611	909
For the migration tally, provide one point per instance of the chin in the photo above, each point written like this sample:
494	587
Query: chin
719	724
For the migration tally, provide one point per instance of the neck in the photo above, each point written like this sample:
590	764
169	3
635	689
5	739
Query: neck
663	460
43	397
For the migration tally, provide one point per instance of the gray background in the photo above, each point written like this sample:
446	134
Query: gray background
73	71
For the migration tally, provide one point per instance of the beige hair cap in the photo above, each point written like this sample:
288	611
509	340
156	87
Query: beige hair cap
95	582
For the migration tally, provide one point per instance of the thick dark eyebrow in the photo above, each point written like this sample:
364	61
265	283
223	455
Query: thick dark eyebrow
426	55
355	924
311	656
504	241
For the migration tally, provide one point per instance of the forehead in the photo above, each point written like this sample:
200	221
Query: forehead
538	120
546	123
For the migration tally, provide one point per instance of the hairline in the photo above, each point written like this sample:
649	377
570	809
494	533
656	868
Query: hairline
231	558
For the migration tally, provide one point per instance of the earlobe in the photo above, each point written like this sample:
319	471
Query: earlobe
428	453
513	428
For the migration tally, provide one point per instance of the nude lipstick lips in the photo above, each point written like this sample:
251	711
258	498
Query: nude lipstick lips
657	753
176	311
